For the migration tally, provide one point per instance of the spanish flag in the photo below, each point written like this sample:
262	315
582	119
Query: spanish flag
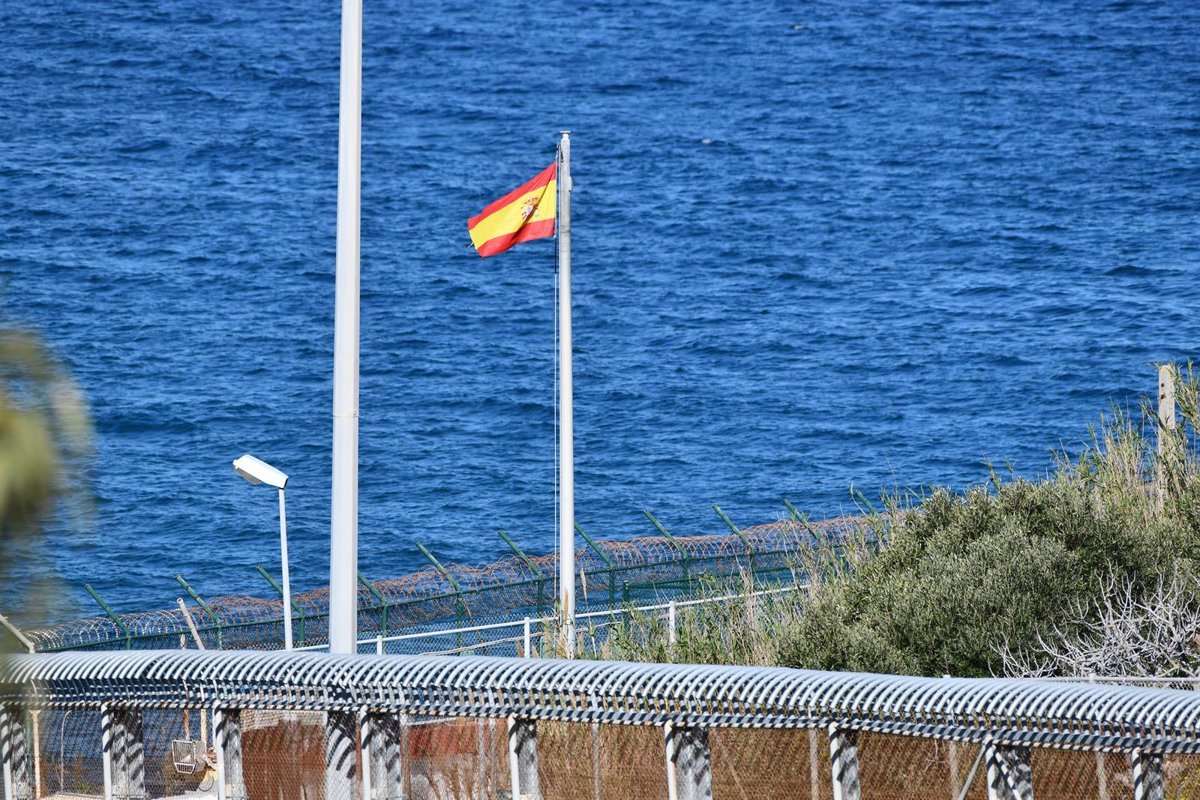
524	214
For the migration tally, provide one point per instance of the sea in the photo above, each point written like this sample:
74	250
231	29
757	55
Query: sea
819	249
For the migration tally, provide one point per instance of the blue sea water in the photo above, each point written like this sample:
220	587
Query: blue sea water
816	245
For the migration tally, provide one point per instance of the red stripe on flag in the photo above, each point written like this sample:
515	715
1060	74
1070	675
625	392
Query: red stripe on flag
544	177
531	230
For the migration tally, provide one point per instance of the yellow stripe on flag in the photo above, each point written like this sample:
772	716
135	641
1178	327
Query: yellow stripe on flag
528	212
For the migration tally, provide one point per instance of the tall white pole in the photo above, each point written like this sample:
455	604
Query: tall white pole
343	528
566	422
287	581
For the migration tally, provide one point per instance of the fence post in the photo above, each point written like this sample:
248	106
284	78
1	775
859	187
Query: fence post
671	623
383	605
227	729
383	762
955	780
460	602
523	759
1009	772
608	562
671	540
843	763
689	762
527	634
112	615
1166	424
529	563
124	753
596	781
737	532
35	718
18	634
1148	781
814	761
15	753
1101	769
672	778
207	609
341	754
106	752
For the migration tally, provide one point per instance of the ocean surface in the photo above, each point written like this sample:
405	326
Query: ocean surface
817	245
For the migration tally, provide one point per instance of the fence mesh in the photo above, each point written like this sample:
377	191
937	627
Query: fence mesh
770	763
601	762
67	752
611	574
284	754
467	759
450	759
904	768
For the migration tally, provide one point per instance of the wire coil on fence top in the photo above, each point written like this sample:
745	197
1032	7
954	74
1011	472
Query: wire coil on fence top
617	573
1019	712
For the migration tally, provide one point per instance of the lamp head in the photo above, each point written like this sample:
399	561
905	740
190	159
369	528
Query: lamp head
257	471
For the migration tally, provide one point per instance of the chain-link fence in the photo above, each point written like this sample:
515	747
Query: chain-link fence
284	758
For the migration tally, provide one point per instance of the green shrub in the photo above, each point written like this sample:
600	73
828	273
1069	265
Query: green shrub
946	583
957	578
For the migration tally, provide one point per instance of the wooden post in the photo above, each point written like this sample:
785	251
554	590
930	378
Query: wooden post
1101	768
672	777
35	722
596	782
814	764
1166	425
481	757
1101	776
955	780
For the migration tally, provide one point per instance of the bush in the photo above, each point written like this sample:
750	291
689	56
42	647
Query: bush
1011	573
959	578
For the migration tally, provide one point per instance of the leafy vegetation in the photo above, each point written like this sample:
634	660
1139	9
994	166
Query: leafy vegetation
744	630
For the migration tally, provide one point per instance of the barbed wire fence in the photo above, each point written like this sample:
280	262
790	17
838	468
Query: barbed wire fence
611	575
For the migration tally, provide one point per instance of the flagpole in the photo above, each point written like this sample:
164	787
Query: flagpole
343	526
566	431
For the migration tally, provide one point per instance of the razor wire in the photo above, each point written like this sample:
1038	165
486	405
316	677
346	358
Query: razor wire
611	574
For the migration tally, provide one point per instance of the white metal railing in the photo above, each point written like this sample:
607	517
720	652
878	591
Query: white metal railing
668	610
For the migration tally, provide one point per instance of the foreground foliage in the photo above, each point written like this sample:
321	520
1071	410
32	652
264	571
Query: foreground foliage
45	442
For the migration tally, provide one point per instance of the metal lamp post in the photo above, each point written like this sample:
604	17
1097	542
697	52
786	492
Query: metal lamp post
256	471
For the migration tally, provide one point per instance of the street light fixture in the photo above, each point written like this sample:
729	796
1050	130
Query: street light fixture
256	471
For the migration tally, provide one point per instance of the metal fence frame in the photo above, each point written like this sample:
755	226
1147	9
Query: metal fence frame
364	695
527	633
